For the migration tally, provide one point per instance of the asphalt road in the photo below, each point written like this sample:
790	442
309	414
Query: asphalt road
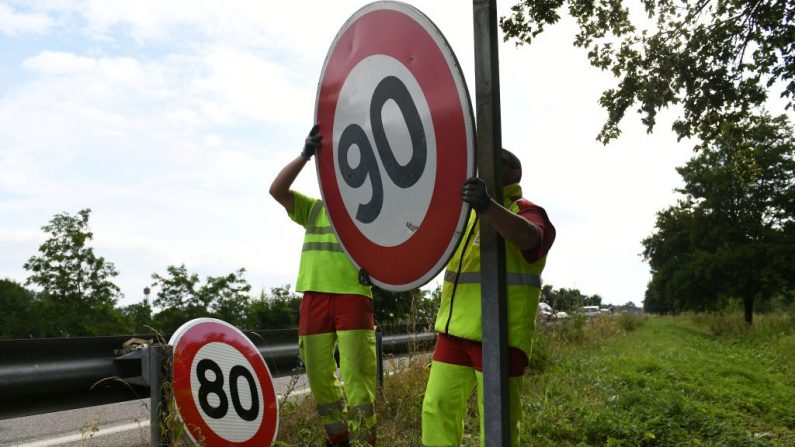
124	424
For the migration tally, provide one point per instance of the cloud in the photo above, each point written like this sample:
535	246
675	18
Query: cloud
173	139
13	23
241	84
59	63
154	146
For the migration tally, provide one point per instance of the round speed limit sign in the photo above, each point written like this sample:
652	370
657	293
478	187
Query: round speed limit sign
222	386
398	144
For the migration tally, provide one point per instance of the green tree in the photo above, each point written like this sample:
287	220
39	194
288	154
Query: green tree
714	58
655	304
229	296
277	310
593	300
18	318
566	300
411	306
182	297
733	234
77	293
138	317
177	298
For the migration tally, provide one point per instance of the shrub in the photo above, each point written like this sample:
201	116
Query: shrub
629	322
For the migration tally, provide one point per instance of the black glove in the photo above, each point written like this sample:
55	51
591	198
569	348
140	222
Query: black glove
474	192
364	278
312	142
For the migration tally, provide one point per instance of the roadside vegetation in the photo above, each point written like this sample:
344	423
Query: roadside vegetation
622	380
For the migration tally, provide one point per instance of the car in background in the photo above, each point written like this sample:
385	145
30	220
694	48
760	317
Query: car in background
590	311
544	311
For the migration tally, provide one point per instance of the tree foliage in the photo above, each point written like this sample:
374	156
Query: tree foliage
715	58
138	318
567	300
277	310
182	297
77	296
67	270
18	318
733	234
408	307
76	288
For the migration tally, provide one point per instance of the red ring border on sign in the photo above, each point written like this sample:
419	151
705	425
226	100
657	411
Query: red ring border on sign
391	31
209	330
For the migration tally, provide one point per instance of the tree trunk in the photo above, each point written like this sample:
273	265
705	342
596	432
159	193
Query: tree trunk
748	305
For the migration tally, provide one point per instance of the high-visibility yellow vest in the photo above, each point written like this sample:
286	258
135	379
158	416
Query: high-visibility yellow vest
324	266
460	314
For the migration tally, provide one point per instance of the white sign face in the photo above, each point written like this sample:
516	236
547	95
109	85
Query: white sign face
223	389
381	92
224	386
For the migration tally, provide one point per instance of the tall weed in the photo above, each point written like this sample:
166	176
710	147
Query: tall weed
765	326
721	324
399	404
629	322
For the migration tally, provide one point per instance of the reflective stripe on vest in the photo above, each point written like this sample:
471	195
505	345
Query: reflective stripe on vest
514	279
311	221
319	230
312	228
313	213
321	246
460	308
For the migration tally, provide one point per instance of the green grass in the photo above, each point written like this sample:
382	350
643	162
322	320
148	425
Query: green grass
668	383
624	381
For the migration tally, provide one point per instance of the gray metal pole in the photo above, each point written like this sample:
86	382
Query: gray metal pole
497	430
379	358
159	374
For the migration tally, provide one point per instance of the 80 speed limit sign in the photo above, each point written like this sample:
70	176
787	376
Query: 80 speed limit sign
398	143
222	386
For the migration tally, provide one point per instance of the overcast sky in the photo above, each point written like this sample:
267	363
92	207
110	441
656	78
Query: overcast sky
170	119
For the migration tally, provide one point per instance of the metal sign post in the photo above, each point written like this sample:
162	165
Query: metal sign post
497	430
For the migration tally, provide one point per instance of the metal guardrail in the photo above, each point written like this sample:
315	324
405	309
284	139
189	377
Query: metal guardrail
53	374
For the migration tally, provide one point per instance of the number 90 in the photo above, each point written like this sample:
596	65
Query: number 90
404	176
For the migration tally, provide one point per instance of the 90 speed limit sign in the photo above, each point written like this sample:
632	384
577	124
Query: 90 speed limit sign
398	143
223	389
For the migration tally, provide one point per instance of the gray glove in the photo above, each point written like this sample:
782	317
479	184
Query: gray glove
474	192
312	142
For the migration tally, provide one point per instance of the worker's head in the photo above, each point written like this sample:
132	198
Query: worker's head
511	168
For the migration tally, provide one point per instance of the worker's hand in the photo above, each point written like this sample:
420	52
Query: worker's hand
364	278
474	192
312	142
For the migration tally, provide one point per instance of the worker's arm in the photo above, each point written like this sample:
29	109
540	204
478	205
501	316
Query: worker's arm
512	227
280	188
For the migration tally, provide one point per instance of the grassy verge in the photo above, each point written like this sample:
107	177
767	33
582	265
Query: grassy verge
624	381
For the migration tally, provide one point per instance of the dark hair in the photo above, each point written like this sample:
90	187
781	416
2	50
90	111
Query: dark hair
513	162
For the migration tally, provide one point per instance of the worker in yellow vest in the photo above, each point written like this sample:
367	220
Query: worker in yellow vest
457	365
336	310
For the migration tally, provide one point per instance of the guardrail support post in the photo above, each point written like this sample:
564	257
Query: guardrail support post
158	372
